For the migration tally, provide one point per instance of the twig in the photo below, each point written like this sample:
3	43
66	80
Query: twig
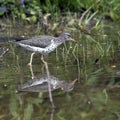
4	52
83	15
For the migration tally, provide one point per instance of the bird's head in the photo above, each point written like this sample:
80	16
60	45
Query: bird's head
66	36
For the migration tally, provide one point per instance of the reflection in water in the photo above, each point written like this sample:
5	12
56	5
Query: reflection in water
3	52
45	83
39	84
95	96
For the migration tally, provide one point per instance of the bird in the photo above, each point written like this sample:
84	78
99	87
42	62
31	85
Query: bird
39	84
44	44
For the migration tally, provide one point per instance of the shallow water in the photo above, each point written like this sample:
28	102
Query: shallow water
95	94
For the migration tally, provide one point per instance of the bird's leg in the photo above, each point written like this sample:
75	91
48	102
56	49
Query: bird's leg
46	66
31	58
42	59
48	80
32	73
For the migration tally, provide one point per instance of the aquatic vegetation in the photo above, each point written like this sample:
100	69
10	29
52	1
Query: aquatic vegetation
31	10
93	59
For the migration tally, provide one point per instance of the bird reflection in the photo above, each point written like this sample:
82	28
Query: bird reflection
40	84
3	52
46	83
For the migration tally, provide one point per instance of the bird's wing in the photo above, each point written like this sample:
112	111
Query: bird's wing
38	41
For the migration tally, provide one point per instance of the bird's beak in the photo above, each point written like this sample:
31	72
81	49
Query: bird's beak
74	81
73	40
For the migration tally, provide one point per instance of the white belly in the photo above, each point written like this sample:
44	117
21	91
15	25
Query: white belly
46	50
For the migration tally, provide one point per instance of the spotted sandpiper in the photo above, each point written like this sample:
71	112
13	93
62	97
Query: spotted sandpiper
39	84
44	44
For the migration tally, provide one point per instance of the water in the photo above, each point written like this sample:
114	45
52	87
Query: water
94	64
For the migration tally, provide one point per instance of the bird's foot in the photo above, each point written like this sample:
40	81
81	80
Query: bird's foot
29	64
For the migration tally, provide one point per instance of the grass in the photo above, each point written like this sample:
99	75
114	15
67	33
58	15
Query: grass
32	11
74	60
91	39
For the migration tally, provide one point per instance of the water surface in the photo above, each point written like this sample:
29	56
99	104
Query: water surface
93	60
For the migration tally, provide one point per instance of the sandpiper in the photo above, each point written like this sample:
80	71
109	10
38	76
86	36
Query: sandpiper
44	44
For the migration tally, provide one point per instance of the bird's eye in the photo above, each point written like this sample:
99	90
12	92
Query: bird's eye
68	35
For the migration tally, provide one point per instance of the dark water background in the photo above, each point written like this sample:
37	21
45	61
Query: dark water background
94	61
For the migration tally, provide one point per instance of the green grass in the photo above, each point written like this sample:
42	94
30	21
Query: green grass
33	10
